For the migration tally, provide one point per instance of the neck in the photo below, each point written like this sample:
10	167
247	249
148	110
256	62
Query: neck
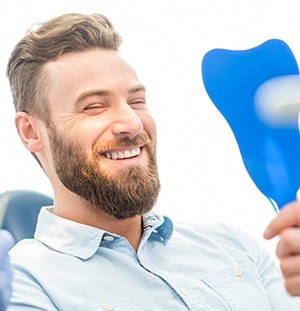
74	208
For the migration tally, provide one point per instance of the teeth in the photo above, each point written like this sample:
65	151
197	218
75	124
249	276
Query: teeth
114	156
135	152
121	155
125	154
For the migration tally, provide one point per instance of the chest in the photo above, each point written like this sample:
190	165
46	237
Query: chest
158	278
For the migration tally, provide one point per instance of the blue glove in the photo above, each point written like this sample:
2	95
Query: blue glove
6	242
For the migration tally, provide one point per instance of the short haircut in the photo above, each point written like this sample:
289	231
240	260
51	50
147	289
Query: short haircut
63	34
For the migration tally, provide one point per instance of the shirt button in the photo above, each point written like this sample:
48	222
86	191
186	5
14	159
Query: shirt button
237	271
107	306
184	291
108	238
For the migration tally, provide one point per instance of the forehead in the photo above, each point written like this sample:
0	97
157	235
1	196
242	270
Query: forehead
74	73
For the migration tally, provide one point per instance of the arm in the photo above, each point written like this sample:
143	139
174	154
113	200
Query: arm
287	226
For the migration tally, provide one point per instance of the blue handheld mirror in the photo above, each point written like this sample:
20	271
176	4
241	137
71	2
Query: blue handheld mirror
257	91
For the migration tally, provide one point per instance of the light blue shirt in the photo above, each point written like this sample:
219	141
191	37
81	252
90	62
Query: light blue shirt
210	267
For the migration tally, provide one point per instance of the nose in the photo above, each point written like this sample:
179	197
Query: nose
126	122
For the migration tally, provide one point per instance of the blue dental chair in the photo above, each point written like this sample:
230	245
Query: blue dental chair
19	211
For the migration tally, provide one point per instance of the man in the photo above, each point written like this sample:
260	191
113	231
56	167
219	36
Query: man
81	111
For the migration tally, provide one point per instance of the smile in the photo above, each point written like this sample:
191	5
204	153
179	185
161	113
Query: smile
124	154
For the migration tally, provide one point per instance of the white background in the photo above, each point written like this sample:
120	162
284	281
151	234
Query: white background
202	174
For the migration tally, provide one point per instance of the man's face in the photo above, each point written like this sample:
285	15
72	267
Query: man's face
102	137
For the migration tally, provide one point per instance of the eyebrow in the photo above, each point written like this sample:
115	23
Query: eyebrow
98	92
137	88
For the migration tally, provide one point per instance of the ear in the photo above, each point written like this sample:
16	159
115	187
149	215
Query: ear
30	131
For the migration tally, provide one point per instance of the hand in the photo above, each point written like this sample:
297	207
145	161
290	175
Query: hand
287	226
6	242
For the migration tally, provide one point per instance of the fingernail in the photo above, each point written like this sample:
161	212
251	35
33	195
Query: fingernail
268	233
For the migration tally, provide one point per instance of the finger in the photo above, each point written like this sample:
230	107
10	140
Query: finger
288	217
292	285
290	266
6	241
289	243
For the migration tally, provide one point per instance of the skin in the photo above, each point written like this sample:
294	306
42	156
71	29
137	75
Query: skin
94	97
287	227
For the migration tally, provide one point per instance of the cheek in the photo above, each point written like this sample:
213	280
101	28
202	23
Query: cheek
87	131
149	125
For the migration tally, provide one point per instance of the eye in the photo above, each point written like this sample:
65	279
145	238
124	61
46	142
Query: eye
138	103
94	106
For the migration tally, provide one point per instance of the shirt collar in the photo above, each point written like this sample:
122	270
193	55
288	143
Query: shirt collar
163	225
83	241
67	236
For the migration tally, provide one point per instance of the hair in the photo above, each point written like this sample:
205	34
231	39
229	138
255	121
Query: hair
67	33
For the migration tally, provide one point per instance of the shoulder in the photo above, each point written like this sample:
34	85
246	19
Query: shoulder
27	253
221	233
216	229
27	260
25	248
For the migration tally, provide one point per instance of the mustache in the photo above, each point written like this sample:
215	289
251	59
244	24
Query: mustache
139	140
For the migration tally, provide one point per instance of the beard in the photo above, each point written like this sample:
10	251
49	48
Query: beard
132	191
